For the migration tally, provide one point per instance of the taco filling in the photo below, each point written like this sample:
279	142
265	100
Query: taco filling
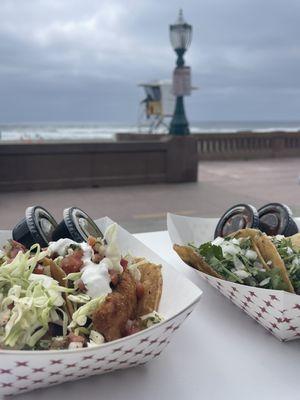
74	295
236	259
290	255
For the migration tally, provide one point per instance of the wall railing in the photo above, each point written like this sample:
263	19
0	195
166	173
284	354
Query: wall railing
237	145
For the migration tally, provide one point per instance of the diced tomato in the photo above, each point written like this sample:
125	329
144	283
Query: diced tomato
124	263
114	278
81	285
131	329
54	255
72	262
19	246
140	290
97	258
15	249
39	269
76	338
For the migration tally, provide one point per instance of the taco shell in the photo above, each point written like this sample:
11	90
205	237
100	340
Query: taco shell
194	260
151	278
244	233
272	258
59	275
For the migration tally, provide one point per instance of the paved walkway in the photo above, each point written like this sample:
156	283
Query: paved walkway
143	208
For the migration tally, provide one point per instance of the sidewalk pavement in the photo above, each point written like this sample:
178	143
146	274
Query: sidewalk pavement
143	208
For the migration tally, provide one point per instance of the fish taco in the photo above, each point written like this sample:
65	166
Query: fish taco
72	295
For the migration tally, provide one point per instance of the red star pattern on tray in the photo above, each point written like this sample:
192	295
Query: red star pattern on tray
26	373
21	363
5	371
35	370
277	311
56	362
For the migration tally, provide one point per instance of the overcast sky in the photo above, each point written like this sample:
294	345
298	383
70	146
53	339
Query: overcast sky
81	60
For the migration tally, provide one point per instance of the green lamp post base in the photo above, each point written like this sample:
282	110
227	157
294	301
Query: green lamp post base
179	125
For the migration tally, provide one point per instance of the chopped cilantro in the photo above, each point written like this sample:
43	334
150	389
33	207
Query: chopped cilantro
231	260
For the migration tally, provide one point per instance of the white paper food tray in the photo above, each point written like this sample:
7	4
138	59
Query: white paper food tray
22	371
276	310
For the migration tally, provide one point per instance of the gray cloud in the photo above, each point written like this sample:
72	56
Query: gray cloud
75	60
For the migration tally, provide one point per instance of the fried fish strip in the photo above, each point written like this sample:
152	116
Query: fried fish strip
119	306
127	288
111	317
152	281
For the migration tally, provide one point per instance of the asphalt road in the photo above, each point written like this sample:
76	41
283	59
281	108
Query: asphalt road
143	208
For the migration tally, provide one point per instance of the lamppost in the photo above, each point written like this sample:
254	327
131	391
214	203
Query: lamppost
180	37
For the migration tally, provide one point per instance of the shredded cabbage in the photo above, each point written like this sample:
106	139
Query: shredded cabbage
29	301
81	315
79	298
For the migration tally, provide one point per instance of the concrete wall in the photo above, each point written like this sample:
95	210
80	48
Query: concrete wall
69	165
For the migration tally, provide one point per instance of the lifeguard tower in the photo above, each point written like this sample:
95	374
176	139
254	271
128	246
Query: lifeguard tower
157	107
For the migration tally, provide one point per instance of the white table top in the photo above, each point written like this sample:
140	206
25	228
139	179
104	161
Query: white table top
218	353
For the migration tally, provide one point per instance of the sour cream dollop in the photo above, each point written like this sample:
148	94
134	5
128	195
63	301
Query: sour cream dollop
112	251
60	247
95	277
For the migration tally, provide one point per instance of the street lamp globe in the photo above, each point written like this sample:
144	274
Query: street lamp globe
180	34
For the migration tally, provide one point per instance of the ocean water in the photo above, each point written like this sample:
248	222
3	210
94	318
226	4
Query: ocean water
96	131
